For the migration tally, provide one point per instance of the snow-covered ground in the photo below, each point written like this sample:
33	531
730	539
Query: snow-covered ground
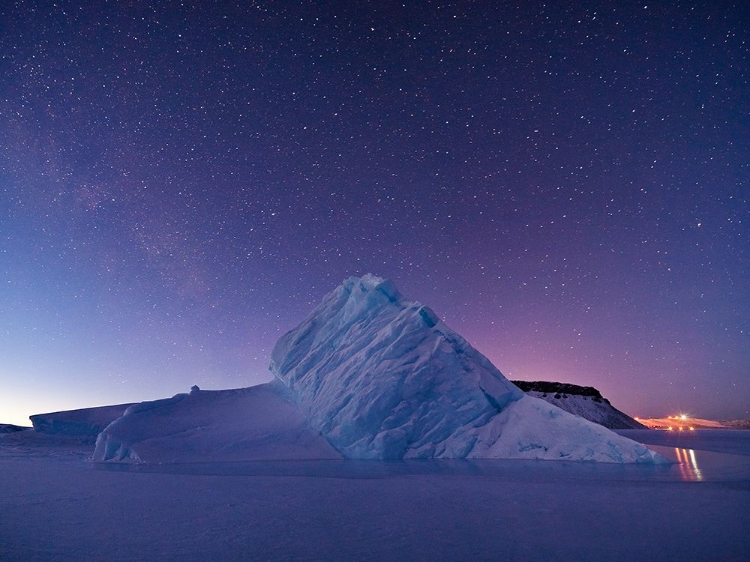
56	506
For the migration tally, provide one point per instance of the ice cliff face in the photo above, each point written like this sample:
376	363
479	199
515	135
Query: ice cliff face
383	378
380	377
84	422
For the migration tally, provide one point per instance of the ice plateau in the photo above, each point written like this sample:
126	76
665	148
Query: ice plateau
84	422
246	424
384	378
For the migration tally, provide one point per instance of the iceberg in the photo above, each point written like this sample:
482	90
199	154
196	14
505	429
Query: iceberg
381	377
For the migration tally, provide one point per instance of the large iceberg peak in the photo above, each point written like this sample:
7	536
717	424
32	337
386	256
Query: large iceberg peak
382	377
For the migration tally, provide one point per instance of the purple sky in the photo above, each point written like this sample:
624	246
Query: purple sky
566	186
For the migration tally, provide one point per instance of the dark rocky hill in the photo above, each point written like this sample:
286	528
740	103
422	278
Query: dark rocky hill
584	401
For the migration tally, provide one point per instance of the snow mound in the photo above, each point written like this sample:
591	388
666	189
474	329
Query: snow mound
532	428
384	378
254	423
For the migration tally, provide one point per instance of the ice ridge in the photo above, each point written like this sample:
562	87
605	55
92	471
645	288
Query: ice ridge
381	377
384	378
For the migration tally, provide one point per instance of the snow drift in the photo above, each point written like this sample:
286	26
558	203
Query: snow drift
383	378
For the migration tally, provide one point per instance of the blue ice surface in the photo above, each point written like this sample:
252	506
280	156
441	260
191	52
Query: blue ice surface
381	377
702	464
710	467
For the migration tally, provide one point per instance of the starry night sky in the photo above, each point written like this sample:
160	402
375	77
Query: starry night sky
566	184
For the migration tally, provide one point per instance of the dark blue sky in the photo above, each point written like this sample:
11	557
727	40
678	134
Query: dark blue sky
565	184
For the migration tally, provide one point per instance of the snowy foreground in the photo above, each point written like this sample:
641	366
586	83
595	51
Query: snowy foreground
55	505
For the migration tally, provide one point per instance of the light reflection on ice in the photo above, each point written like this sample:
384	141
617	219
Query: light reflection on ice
688	465
713	467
